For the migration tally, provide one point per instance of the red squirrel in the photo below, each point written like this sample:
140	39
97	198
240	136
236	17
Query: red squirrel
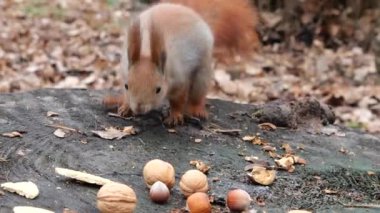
168	55
233	23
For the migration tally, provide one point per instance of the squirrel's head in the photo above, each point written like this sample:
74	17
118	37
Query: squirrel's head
145	83
145	86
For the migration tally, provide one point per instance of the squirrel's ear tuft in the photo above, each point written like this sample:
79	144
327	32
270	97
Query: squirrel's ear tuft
161	65
134	42
157	48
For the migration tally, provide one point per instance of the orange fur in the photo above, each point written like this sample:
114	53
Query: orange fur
134	42
111	101
163	67
233	23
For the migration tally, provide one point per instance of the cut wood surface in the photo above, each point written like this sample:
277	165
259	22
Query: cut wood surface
338	160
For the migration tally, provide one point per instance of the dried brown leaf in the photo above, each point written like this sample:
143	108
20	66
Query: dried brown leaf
111	133
60	133
172	131
269	148
262	175
330	192
288	149
51	114
197	140
286	163
267	126
200	165
13	134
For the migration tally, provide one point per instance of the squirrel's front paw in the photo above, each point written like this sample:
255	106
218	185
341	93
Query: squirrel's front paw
174	119
124	110
197	111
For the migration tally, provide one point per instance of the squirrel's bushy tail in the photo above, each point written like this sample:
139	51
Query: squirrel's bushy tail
233	23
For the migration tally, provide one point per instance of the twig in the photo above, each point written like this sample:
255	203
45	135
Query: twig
365	205
119	116
62	127
228	131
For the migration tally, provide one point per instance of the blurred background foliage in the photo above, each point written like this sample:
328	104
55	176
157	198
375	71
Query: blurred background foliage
322	48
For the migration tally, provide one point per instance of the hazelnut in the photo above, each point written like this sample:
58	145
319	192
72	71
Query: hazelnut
159	192
116	198
158	170
193	181
198	202
238	200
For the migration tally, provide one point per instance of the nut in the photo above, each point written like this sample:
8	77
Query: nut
159	192
116	198
238	200
158	170
198	202
193	181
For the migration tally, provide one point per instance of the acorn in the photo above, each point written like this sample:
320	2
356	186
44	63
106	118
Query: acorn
198	202
238	200
159	192
159	170
193	181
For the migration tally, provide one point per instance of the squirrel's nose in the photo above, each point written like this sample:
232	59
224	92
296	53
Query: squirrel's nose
139	109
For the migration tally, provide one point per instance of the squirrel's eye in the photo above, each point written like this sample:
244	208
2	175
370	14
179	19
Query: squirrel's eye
126	86
158	90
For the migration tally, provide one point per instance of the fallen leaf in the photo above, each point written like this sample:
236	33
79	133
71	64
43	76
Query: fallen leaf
129	130
13	134
256	140
274	155
286	163
200	165
288	149
329	191
299	160
172	131
59	133
29	209
267	126
343	150
51	114
111	133
26	189
371	173
82	176
248	138
262	175
269	148
251	158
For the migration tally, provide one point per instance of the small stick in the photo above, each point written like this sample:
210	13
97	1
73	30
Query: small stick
115	115
61	127
365	205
